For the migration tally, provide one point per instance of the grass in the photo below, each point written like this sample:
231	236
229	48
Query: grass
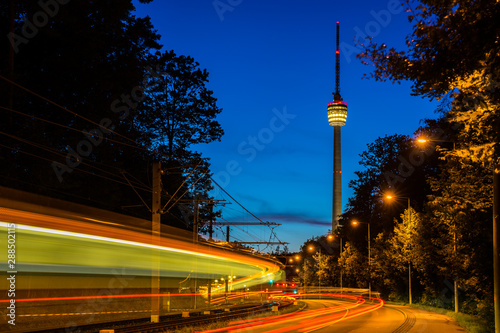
473	324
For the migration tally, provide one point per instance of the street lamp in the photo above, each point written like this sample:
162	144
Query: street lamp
369	257
409	260
340	256
496	239
311	249
455	282
425	140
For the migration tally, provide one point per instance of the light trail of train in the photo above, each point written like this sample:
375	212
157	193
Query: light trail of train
57	250
81	261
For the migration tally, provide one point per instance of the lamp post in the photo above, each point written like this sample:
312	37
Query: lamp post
409	260
340	239
496	241
455	282
496	251
369	258
311	249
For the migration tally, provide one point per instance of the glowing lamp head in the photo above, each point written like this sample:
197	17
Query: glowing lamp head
337	113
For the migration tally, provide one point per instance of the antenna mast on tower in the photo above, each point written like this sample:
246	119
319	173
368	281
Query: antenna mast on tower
337	68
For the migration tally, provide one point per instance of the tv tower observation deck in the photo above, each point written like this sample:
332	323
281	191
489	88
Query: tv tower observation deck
337	116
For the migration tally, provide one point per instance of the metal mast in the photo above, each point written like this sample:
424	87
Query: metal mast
336	96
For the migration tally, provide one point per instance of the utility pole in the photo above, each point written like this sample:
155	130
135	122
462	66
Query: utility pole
155	233
196	218
496	251
369	264
12	13
211	224
340	238
409	261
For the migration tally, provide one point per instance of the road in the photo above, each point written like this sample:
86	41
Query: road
397	319
353	316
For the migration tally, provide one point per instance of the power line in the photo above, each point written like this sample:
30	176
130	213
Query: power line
67	127
71	194
55	151
272	230
236	200
137	145
62	107
79	169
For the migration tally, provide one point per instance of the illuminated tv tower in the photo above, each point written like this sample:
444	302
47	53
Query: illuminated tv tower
337	116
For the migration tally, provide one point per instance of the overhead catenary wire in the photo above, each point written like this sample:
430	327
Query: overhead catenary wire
249	234
137	145
57	152
70	128
62	107
236	201
186	190
140	197
70	194
79	169
253	236
272	230
181	186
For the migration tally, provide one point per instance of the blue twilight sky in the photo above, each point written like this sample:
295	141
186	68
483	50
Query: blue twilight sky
272	68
